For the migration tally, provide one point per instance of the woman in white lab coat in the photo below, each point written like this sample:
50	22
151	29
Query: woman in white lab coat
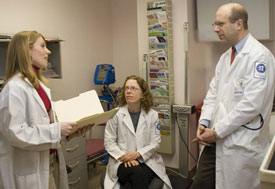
27	126
132	138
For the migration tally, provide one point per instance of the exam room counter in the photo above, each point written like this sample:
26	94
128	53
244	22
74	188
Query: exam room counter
267	169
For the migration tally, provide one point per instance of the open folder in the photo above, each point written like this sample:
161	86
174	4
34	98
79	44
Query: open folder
84	109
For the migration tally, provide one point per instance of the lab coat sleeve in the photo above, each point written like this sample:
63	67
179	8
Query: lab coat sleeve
149	150
18	132
210	99
111	138
255	99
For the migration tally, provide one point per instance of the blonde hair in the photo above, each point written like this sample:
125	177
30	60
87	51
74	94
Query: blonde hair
19	58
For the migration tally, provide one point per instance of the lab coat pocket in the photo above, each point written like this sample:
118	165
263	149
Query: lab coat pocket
145	136
238	89
27	181
244	140
238	93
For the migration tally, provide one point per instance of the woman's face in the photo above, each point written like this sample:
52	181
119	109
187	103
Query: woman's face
133	92
40	53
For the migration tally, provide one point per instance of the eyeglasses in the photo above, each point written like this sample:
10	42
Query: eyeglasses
221	24
132	89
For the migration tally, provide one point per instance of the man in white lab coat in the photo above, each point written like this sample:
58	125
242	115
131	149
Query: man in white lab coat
236	111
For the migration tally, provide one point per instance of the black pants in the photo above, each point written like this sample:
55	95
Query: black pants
135	177
205	175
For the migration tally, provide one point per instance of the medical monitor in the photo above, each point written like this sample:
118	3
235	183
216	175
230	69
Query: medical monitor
104	74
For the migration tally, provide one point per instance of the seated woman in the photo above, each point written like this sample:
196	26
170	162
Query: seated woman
132	138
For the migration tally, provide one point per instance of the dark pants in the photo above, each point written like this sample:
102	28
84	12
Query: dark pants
135	177
205	174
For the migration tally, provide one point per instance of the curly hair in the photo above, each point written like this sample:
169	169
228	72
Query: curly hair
146	101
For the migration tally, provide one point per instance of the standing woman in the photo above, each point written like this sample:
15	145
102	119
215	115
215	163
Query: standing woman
29	135
132	138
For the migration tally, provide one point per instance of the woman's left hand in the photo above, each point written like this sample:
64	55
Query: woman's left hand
129	156
131	163
82	131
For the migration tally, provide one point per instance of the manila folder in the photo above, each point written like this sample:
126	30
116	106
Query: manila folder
84	109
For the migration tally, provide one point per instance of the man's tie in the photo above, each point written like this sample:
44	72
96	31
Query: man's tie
233	54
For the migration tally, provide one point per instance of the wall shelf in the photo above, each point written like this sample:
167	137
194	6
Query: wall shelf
54	62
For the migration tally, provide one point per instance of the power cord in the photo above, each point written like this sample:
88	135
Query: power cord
184	142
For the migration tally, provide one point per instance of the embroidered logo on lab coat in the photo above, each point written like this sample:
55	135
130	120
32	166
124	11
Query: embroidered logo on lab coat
260	70
157	128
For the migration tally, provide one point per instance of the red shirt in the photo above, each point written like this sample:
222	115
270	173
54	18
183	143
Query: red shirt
45	99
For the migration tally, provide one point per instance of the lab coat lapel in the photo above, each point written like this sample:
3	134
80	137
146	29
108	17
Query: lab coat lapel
141	122
245	50
36	96
231	68
48	92
127	121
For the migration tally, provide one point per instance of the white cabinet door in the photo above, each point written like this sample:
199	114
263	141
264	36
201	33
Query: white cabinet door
206	12
260	18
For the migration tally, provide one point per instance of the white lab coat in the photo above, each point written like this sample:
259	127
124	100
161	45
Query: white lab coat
26	137
120	137
238	94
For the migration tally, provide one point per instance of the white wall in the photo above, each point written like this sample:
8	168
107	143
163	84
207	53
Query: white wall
86	27
125	39
142	26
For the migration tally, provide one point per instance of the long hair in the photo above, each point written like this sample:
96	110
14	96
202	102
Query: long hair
146	101
19	58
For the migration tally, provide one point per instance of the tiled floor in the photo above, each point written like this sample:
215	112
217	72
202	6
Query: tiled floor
94	175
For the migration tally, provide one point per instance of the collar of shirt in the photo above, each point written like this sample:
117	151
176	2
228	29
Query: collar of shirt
239	46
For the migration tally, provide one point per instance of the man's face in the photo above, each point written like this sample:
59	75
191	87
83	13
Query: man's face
225	30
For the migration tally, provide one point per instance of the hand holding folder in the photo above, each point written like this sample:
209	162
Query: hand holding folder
85	110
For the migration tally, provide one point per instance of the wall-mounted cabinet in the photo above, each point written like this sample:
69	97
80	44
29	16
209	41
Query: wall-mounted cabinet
54	61
260	18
